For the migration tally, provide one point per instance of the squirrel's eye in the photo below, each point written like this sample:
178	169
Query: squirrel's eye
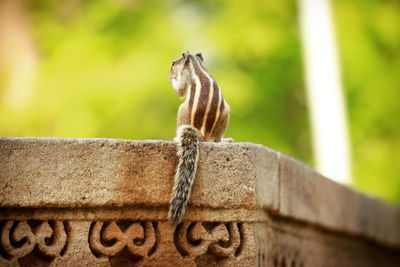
173	63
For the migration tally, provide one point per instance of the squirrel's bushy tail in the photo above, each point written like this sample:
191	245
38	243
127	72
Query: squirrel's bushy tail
188	139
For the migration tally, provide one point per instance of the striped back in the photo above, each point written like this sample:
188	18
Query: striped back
206	103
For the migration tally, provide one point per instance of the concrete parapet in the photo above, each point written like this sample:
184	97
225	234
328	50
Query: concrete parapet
104	202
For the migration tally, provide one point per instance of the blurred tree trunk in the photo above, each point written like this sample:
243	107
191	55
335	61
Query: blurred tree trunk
18	57
324	91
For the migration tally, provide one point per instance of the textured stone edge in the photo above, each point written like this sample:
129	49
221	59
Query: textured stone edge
280	185
308	196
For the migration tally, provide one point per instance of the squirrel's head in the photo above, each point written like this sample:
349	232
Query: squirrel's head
182	71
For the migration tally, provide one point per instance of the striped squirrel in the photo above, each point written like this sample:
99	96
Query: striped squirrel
203	116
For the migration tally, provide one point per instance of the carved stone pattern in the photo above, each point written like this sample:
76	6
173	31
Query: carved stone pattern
138	239
198	238
19	238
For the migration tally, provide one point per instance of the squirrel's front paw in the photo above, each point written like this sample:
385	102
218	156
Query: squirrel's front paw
227	140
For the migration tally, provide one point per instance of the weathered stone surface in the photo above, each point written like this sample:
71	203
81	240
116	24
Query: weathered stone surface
310	197
102	202
92	173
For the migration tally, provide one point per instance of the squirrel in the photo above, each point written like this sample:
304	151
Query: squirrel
203	116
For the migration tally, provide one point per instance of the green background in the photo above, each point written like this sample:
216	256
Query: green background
103	72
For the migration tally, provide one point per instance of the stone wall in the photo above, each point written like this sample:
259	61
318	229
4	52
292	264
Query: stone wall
101	202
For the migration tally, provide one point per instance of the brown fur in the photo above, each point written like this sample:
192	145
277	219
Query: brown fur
187	73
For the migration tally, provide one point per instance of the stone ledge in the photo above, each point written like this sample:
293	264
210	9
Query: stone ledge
239	186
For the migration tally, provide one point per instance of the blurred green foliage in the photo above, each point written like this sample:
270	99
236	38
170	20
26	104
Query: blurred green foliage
103	72
369	42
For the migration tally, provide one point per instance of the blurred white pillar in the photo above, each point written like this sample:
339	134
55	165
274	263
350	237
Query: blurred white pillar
324	91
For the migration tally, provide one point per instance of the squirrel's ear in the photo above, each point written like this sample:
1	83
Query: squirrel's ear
186	60
200	56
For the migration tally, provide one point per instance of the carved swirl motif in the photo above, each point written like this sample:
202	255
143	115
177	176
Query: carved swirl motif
107	239
19	238
196	239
